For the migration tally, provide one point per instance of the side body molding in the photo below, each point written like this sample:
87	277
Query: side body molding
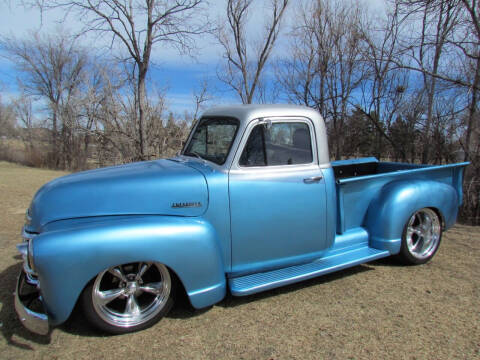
69	259
397	201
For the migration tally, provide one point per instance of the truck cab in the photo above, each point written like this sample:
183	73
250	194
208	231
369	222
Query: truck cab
277	174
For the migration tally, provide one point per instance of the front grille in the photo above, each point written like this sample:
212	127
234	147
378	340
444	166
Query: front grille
31	276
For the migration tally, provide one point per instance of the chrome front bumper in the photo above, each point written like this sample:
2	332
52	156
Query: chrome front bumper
26	294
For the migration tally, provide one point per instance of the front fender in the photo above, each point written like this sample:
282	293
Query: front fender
390	210
66	260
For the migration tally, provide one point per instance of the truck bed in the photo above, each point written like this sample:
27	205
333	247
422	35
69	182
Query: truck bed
358	181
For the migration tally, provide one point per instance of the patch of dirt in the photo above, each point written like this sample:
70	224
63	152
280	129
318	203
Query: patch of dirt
374	311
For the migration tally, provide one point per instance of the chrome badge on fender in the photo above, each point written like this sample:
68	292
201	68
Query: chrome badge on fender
186	204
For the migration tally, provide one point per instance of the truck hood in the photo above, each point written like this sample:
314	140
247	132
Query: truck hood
159	187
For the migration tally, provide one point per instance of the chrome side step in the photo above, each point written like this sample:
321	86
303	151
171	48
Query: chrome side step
254	283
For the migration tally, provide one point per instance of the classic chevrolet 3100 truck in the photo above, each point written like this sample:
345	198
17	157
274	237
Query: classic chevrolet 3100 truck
251	203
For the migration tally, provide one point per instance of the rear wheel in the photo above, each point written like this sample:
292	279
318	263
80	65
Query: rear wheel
128	297
421	237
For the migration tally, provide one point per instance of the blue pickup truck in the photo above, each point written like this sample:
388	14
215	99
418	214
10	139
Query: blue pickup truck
251	203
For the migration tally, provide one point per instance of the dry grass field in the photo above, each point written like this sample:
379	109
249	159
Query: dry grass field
375	311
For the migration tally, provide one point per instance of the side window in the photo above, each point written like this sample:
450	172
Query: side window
254	151
278	144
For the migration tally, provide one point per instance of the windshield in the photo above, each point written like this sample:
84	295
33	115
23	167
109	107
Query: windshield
212	139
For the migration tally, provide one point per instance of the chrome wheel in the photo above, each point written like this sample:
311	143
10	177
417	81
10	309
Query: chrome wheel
423	234
130	295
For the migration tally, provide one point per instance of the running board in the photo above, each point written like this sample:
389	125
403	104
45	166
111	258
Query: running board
254	283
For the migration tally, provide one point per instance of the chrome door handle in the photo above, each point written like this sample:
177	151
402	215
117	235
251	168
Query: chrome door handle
312	180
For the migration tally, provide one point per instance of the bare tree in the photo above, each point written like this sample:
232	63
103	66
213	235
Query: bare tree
384	87
52	68
24	113
438	19
110	105
245	59
327	65
7	131
7	120
138	25
469	45
448	54
202	95
468	42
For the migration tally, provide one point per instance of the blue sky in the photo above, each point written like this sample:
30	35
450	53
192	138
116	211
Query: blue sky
178	74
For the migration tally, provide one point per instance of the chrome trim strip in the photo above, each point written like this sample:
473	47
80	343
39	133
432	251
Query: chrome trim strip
31	277
30	262
33	321
24	248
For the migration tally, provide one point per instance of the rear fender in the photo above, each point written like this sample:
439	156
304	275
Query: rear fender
66	260
397	201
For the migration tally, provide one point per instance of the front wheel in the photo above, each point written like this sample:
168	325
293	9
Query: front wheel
421	237
128	297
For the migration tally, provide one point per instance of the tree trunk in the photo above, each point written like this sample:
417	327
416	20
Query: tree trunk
142	138
431	100
472	110
55	157
444	19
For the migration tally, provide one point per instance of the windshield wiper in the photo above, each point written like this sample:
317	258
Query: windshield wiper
194	153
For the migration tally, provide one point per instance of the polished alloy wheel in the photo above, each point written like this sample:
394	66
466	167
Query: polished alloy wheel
132	294
423	233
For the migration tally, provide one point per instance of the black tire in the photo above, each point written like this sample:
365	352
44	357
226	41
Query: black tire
145	298
421	237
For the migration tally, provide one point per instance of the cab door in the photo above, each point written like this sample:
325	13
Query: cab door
277	196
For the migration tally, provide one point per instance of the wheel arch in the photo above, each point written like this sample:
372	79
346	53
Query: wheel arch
397	201
67	261
174	278
441	216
